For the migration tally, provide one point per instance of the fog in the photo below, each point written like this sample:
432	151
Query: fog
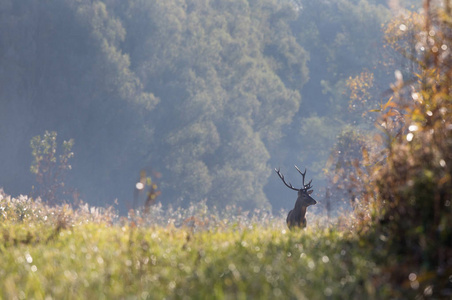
207	96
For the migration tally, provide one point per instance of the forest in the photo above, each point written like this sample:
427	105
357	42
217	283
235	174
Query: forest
140	139
210	95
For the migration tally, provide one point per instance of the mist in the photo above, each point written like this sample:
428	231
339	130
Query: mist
148	149
211	96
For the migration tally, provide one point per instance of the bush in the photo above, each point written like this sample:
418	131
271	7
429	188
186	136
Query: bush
411	192
50	169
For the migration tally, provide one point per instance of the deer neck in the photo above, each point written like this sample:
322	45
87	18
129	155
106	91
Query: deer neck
303	211
300	209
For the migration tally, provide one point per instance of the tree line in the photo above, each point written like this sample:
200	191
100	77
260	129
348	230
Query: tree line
210	94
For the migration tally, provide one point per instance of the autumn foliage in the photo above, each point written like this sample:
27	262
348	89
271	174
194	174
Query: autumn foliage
409	187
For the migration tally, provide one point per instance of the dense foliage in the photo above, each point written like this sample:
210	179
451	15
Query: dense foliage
211	94
408	185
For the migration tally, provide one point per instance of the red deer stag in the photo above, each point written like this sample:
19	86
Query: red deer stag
297	216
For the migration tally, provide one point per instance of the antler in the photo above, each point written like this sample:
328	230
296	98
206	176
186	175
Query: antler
307	186
289	185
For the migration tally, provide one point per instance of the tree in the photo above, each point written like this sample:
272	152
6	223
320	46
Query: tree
66	72
344	40
173	84
222	99
410	186
50	169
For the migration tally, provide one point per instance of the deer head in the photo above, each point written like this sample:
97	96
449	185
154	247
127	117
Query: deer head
297	216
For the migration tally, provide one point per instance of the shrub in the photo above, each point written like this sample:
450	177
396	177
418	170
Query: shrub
50	169
411	191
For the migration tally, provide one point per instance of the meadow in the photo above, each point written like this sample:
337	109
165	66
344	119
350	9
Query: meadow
62	252
221	106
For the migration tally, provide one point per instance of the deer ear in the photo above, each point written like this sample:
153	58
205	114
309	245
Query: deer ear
310	192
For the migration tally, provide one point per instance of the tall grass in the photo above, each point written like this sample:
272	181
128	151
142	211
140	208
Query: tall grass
63	252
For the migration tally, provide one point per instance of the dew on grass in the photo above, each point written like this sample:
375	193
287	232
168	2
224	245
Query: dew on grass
328	291
412	277
28	258
277	292
172	285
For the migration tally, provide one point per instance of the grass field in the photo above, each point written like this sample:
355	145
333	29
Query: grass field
87	253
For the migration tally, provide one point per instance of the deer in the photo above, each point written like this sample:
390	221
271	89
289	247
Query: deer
297	216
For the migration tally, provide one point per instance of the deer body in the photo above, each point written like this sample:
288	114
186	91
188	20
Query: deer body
297	216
